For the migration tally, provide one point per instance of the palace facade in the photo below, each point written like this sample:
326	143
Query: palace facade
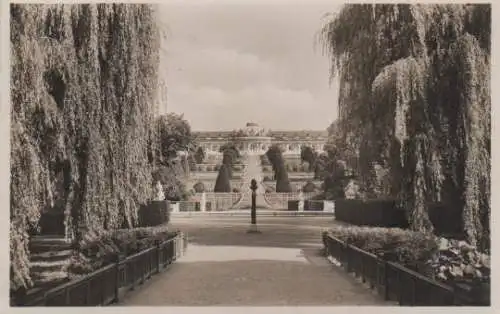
257	140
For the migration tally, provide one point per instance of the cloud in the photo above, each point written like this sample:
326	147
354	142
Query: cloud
220	67
230	64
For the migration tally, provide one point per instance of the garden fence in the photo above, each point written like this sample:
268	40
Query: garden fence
396	282
108	284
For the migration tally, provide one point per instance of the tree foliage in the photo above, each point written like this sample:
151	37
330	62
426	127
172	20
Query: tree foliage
83	88
275	157
333	171
174	134
414	99
309	187
199	156
308	155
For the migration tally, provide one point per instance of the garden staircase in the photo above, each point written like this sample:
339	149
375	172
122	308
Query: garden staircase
252	170
49	260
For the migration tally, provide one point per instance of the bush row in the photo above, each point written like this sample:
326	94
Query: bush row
449	261
211	168
386	213
308	205
380	213
154	214
99	250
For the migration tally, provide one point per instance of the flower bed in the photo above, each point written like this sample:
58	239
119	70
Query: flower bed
100	250
452	262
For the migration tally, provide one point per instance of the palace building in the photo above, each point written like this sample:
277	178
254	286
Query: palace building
254	139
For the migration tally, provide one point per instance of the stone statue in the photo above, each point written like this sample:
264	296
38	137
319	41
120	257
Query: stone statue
160	196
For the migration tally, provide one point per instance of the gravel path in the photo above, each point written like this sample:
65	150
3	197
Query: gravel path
226	266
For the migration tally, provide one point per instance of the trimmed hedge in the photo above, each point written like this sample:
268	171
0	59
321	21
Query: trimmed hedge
223	183
386	213
199	187
314	205
451	262
189	206
380	213
393	244
155	213
99	250
293	205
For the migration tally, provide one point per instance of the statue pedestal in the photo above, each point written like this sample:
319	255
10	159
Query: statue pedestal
253	223
253	229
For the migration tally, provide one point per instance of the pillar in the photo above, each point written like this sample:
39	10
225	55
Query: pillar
203	202
301	202
175	207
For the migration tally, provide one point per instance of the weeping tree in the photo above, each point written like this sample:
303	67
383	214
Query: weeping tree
414	99
83	94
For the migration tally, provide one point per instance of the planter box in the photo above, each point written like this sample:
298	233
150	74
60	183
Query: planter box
398	283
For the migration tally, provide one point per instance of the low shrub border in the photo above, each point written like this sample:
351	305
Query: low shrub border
397	282
380	213
109	283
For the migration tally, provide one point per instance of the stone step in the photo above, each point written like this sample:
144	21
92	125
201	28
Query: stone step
45	244
49	256
260	213
49	278
48	266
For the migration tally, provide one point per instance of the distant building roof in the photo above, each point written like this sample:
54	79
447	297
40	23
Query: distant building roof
254	129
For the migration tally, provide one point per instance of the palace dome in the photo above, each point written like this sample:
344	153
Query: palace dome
253	129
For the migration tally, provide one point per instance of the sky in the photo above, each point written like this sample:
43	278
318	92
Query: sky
228	64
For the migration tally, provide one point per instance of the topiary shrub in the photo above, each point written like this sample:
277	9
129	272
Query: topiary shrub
199	187
293	205
309	187
275	157
223	184
199	156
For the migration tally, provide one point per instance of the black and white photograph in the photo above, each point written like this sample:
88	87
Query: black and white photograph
249	154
